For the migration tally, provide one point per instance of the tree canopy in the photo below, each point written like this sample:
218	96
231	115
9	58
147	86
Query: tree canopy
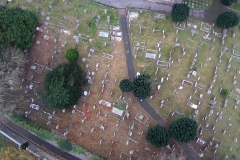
228	2
227	20
184	129
142	86
72	55
62	86
158	136
126	85
17	27
180	12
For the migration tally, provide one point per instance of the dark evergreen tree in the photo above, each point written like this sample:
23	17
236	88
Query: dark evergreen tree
227	20
62	86
142	86
184	129
126	85
158	136
180	12
228	2
17	27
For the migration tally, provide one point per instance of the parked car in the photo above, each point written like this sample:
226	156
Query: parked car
34	106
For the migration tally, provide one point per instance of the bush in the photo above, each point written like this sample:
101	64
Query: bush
158	136
126	85
180	12
65	145
184	129
227	20
224	93
228	2
72	55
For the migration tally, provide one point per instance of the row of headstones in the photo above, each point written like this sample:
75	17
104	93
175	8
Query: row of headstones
219	114
215	74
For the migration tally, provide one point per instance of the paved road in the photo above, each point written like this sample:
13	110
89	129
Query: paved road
143	4
186	148
31	138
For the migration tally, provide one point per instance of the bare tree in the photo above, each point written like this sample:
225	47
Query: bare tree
170	156
13	57
11	73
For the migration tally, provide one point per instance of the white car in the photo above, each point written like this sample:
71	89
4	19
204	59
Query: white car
34	106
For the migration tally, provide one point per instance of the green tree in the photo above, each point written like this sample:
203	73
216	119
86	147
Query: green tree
62	86
158	136
72	55
126	85
142	86
17	27
224	93
65	145
228	2
184	129
180	12
227	20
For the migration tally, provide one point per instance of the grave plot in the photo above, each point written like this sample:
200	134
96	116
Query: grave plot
198	4
199	60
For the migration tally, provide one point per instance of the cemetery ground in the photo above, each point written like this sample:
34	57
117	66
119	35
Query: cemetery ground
90	123
189	64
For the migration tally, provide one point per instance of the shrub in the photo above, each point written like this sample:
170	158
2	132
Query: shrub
72	55
224	93
65	145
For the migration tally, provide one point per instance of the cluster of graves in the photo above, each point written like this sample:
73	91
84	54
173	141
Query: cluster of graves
207	60
103	112
97	122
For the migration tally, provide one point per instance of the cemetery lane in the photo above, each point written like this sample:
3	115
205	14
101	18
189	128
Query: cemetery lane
127	48
187	149
31	138
143	4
